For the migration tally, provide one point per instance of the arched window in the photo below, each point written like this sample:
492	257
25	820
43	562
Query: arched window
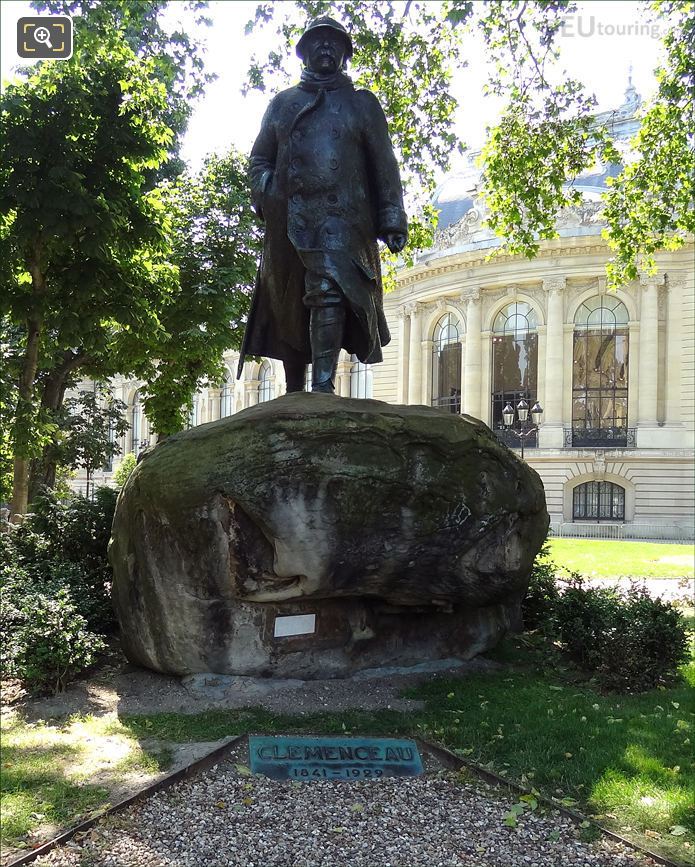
514	363
600	373
265	386
598	501
135	424
226	396
360	378
446	364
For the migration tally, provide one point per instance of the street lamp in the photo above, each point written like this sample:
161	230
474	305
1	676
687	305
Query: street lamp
522	412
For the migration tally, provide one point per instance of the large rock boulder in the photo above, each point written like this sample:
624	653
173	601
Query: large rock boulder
316	535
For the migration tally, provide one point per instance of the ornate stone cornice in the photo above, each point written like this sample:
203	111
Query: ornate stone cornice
553	249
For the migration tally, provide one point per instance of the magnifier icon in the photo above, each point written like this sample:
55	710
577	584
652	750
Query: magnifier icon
43	36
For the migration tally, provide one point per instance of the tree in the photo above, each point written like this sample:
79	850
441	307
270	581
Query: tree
78	228
546	135
93	421
650	205
176	57
98	277
215	243
124	469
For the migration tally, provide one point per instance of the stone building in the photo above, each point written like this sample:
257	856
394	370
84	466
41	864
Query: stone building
613	371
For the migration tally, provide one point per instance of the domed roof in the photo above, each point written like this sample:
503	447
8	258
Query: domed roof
456	195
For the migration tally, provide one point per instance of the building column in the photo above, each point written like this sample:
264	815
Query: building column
473	362
551	433
648	361
343	373
214	396
674	347
251	392
403	345
427	350
414	356
486	377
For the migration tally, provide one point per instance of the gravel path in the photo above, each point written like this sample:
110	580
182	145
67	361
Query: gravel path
225	818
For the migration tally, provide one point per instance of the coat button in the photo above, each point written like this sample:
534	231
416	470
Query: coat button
335	132
297	135
333	163
332	198
297	198
296	163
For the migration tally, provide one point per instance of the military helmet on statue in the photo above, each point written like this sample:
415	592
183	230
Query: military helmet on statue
328	24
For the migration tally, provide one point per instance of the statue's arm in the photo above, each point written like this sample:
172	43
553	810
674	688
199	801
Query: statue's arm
391	218
262	159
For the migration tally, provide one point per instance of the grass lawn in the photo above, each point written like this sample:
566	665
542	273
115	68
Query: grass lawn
51	774
626	760
606	559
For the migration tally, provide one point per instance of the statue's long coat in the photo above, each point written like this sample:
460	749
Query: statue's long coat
325	180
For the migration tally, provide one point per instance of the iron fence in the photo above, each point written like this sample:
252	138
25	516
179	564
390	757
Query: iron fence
652	532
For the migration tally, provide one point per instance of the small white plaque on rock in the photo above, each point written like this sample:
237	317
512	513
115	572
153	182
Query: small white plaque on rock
295	624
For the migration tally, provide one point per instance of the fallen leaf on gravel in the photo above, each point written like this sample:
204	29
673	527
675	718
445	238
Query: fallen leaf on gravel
357	808
220	804
243	770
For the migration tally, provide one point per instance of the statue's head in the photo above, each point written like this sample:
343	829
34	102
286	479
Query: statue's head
325	46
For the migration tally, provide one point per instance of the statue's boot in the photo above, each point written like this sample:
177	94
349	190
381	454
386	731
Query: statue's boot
326	327
295	374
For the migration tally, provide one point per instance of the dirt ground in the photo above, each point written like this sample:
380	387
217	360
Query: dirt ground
118	687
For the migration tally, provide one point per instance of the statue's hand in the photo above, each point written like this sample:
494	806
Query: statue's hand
395	241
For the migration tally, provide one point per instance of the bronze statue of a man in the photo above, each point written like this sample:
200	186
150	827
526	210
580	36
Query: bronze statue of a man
325	181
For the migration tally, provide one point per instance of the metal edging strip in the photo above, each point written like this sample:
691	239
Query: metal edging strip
200	764
490	776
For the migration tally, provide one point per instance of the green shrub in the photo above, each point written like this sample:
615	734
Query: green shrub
628	641
55	584
44	640
538	607
124	469
64	543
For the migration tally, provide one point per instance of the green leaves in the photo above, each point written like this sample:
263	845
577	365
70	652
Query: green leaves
526	803
649	206
215	242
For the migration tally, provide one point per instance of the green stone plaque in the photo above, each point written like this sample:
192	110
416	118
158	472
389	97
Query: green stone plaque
304	759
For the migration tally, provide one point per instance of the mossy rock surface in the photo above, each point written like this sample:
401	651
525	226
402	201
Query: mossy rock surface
314	497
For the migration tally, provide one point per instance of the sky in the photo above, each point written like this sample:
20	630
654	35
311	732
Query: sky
599	45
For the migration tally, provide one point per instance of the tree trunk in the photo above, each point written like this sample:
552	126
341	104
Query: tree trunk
43	469
23	433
